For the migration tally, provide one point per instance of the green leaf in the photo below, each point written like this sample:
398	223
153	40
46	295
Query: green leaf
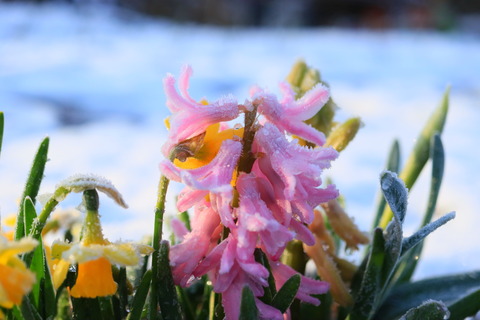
396	196
393	165
28	310
33	185
466	306
87	308
248	307
29	214
63	305
167	294
429	310
140	297
367	296
395	193
186	303
409	261
185	218
122	292
285	296
447	289
421	150
323	311
418	236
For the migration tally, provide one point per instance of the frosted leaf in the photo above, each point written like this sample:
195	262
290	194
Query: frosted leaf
418	236
395	193
81	182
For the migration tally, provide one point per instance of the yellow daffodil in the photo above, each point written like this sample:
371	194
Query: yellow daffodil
15	279
94	255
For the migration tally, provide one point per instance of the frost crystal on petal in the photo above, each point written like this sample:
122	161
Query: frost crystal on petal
81	182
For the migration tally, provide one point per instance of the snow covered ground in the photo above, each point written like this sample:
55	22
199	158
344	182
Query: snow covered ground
92	80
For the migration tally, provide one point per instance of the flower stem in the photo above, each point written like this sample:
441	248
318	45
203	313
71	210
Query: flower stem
245	163
157	237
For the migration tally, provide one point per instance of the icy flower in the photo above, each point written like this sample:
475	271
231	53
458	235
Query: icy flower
289	114
191	118
15	279
298	168
256	222
255	184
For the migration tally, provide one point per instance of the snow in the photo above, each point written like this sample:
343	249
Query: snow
91	79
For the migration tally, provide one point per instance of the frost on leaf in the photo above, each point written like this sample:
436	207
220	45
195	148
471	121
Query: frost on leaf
81	182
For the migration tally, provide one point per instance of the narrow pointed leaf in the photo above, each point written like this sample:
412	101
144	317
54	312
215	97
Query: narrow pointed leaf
409	261
418	236
421	150
285	296
393	165
429	310
167	294
395	193
29	312
86	308
447	289
367	296
466	306
140	297
29	214
248	307
186	303
33	184
48	291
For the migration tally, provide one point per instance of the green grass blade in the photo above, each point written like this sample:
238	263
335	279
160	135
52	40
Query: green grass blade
33	184
421	150
285	296
140	297
248	307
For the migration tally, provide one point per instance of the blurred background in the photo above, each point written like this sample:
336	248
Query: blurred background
89	75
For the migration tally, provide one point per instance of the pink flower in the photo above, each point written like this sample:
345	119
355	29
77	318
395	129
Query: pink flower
297	168
191	118
185	257
289	114
213	178
256	224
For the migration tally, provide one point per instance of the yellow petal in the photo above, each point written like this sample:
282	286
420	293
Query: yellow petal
15	284
59	271
94	279
123	254
9	249
58	247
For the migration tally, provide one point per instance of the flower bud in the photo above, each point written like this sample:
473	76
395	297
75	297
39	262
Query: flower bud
343	134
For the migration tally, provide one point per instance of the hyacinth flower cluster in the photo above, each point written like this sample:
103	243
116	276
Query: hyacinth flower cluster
253	188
